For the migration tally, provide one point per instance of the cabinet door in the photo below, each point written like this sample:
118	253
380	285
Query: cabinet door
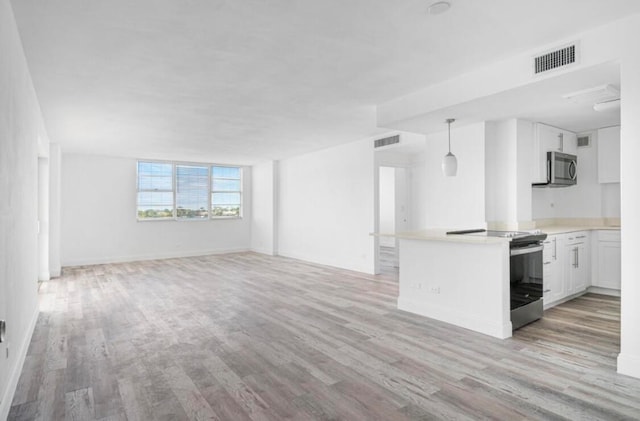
550	138
576	268
545	139
569	264
609	155
608	265
581	271
553	279
569	142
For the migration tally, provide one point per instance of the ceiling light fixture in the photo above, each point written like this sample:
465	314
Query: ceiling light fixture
593	95
607	105
450	162
439	7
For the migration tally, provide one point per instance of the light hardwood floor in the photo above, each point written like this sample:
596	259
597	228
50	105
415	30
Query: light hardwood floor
250	337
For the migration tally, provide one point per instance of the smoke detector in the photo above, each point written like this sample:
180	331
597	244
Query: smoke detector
439	7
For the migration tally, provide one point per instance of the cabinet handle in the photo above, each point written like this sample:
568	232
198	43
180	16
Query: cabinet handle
547	290
577	257
555	247
547	263
561	136
581	236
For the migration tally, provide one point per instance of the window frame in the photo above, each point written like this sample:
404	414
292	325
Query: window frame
173	189
174	183
240	192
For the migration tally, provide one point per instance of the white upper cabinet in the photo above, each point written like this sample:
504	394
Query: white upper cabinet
546	139
609	155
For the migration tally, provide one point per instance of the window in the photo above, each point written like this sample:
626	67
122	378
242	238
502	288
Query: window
226	191
186	191
192	187
155	190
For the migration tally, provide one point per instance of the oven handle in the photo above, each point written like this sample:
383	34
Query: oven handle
526	250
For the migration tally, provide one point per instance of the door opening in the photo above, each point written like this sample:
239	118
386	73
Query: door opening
392	215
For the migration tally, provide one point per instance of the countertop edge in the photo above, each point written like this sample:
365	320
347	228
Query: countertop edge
553	229
443	237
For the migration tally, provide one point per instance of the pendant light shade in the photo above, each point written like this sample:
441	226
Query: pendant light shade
450	162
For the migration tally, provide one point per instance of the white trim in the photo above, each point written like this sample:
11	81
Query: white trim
434	311
153	256
323	262
263	251
563	299
10	391
604	291
629	365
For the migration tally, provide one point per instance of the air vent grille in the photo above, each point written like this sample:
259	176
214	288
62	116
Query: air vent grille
391	140
584	141
555	59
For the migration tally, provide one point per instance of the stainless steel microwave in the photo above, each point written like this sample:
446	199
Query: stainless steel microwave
562	170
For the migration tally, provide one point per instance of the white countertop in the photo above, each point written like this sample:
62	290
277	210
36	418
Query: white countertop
562	229
441	235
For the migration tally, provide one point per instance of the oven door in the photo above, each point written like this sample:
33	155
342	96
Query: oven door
525	275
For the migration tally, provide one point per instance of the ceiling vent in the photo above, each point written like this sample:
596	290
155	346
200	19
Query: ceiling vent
555	59
584	141
386	141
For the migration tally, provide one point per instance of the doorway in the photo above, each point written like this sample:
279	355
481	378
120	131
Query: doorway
392	214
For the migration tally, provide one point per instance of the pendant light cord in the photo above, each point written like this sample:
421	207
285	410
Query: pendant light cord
449	121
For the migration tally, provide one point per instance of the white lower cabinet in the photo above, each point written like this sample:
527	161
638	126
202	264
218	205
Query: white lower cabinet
577	264
567	266
606	268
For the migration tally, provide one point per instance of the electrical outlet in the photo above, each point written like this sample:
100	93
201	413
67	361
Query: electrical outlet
434	290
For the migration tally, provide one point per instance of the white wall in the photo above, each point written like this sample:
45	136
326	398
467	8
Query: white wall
629	358
417	188
99	218
508	162
20	127
455	202
387	196
264	212
587	199
501	167
55	163
326	207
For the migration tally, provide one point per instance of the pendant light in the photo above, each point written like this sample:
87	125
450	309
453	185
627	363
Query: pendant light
450	162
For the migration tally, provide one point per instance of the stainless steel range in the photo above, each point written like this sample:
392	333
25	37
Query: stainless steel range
525	265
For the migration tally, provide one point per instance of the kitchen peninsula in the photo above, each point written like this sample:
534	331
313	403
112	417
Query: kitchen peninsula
458	279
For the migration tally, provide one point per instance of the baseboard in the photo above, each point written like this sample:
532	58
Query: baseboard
629	365
154	256
263	251
368	271
604	291
468	321
564	300
5	406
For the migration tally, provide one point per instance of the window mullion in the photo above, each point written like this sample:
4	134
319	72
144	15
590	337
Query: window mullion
174	171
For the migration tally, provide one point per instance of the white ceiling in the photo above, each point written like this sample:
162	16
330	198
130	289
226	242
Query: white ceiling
542	101
241	81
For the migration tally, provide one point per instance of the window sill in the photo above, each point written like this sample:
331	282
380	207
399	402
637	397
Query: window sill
214	218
